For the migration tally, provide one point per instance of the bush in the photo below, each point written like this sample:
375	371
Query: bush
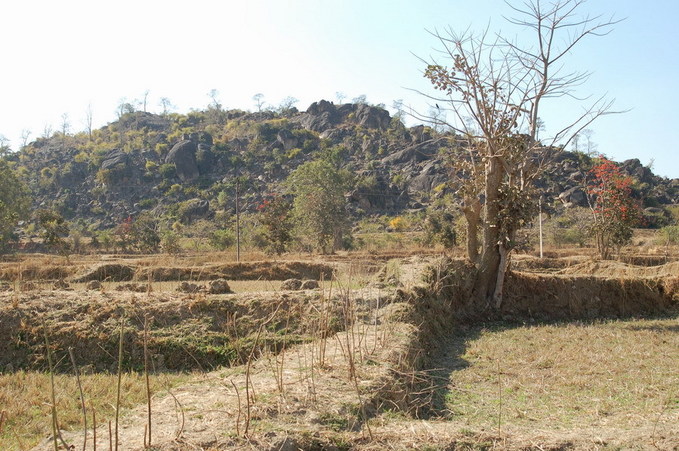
222	239
669	235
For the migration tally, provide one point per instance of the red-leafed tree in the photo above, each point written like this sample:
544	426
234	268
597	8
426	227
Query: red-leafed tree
614	211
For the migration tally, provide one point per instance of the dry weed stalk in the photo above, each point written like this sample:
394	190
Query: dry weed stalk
120	373
148	383
248	367
94	428
56	433
240	409
180	431
82	396
3	418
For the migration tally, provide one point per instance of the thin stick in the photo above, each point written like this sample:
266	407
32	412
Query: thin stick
120	372
239	409
82	396
110	437
146	374
94	428
53	397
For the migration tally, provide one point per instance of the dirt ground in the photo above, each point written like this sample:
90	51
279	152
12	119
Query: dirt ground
346	366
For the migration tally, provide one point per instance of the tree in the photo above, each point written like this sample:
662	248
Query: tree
259	101
166	105
54	230
14	202
275	214
89	118
494	89
25	134
614	212
319	205
287	105
5	149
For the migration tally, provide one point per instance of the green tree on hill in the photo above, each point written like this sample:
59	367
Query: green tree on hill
14	201
319	206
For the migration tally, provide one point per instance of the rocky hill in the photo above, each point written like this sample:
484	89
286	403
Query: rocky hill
186	167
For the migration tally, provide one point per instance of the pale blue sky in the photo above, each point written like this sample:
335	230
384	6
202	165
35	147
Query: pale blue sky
58	57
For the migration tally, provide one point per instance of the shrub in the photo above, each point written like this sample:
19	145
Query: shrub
222	239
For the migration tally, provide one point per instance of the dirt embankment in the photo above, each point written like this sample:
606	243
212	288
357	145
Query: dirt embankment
186	331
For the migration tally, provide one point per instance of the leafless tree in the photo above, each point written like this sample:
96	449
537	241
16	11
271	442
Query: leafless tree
88	120
259	101
493	89
25	134
166	105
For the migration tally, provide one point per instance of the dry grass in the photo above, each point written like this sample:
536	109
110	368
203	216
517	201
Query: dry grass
610	375
25	397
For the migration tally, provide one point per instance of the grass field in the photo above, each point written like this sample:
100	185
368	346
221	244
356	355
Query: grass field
617	377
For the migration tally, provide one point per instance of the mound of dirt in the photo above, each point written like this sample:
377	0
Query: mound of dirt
238	271
275	271
14	271
557	297
114	272
610	268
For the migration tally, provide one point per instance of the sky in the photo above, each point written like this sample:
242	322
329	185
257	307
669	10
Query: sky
70	56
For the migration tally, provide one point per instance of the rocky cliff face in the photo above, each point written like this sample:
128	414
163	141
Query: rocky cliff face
186	166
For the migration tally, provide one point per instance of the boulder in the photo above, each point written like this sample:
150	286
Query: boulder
372	117
574	196
219	286
93	285
291	284
287	139
416	153
195	209
183	155
188	287
113	158
321	116
309	285
134	287
430	177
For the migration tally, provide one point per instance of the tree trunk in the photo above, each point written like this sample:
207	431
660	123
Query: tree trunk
489	264
472	213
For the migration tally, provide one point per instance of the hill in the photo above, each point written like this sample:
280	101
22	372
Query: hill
181	168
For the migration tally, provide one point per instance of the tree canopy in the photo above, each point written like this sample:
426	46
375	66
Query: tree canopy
320	207
14	202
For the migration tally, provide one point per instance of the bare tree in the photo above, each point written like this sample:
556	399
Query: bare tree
166	105
25	134
65	124
89	115
287	104
5	149
259	101
493	89
144	100
215	103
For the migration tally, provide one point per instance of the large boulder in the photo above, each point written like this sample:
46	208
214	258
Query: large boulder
372	117
115	158
431	176
183	155
417	153
321	116
574	196
195	209
287	139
